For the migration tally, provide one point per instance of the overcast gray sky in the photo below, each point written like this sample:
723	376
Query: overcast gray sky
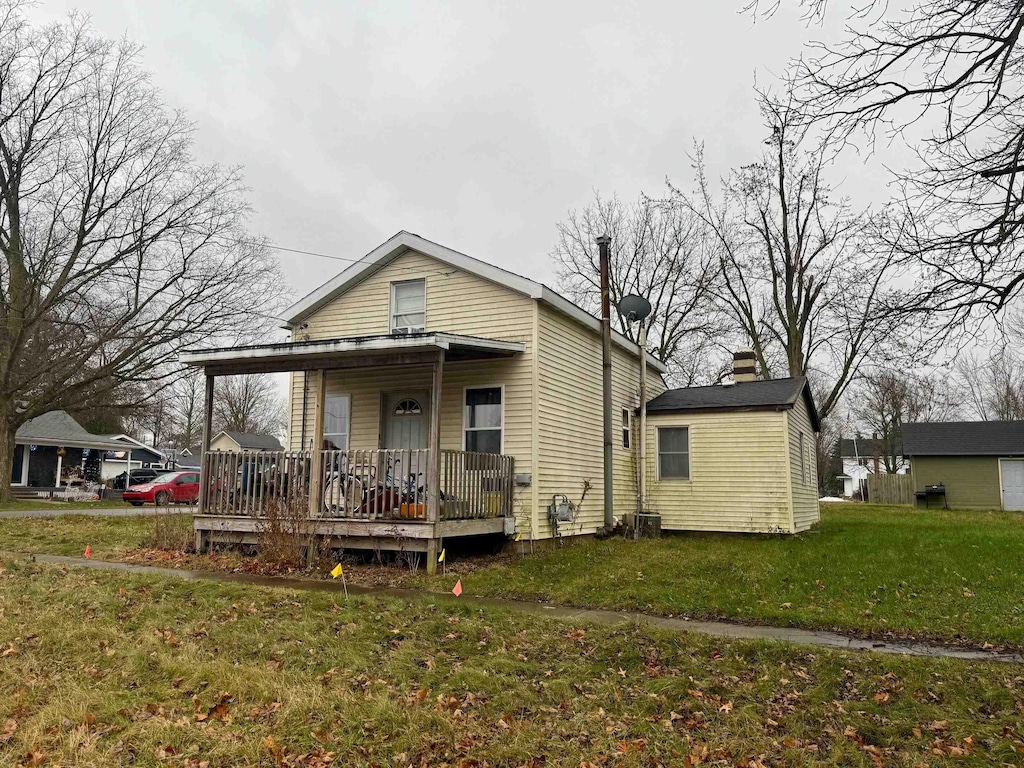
475	124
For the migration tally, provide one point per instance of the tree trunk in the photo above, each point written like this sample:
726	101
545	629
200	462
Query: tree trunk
6	459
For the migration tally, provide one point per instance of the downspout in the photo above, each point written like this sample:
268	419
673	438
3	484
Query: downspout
606	365
642	499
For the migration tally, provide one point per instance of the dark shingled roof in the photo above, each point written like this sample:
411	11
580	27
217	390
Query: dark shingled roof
771	394
59	428
964	438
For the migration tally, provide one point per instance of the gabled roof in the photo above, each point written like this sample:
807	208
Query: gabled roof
252	441
770	394
60	429
964	438
403	242
133	444
866	447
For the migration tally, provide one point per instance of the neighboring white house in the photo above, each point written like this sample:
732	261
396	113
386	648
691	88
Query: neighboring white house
137	453
863	456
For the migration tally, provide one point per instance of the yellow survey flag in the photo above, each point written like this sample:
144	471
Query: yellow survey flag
337	571
440	558
519	537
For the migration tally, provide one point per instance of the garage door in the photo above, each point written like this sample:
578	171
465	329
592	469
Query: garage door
1013	484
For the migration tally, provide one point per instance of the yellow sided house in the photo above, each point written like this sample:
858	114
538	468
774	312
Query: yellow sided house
434	395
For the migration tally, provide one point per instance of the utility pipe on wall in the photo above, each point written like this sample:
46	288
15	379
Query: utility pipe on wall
603	242
642	497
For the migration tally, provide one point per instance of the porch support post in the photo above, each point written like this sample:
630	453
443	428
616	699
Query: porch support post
204	464
317	462
434	459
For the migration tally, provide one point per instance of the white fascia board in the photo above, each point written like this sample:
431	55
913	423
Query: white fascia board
48	442
388	251
580	315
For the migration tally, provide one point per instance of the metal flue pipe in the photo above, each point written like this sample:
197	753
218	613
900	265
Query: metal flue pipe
603	243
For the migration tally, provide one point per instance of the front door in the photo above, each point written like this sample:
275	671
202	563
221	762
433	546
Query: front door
406	427
1013	484
406	420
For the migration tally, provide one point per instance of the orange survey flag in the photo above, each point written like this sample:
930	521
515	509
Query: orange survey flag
88	551
458	588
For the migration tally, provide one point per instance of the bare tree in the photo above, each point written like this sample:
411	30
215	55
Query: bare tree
117	248
185	399
885	400
947	76
994	387
658	253
799	270
250	403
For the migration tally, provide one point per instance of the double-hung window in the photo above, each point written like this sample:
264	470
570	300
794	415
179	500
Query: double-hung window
627	426
673	453
408	306
337	412
483	420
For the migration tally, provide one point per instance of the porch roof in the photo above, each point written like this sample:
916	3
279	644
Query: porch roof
58	428
354	351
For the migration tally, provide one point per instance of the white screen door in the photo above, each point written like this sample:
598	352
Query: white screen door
1013	484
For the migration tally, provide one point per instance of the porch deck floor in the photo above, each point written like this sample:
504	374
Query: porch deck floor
400	534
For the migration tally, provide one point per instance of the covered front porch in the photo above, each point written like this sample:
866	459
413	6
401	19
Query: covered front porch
383	456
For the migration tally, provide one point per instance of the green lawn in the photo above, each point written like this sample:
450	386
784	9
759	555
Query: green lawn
103	669
24	505
949	576
108	537
873	570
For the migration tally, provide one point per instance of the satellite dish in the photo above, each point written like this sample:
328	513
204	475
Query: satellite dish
634	308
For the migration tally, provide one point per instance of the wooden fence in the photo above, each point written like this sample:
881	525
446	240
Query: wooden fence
891	489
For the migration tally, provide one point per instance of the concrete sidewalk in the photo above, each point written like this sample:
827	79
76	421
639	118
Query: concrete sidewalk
710	628
60	511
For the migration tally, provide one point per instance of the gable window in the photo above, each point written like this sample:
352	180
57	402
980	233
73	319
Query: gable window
337	410
408	306
674	453
627	424
483	420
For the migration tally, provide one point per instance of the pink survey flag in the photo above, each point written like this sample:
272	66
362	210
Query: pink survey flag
458	588
88	551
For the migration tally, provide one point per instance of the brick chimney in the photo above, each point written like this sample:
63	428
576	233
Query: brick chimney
744	366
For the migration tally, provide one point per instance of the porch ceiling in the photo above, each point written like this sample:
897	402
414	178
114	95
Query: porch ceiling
351	352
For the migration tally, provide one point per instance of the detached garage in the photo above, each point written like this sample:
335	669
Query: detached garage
980	464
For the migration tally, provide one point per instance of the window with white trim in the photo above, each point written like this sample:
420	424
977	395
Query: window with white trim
627	427
673	453
337	422
408	306
803	460
483	420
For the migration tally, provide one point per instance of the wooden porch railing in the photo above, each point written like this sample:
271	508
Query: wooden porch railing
358	484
